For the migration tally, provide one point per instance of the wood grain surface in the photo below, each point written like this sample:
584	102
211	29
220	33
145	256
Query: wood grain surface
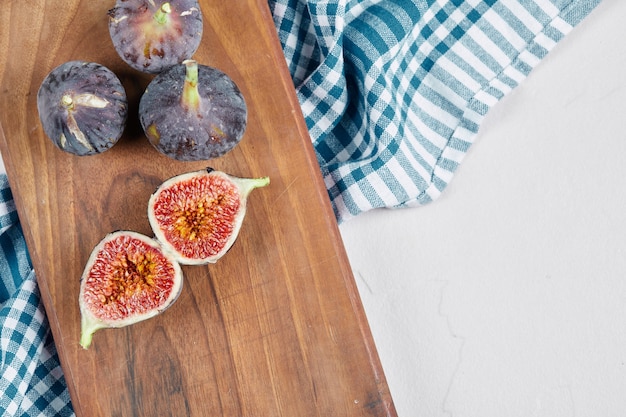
276	327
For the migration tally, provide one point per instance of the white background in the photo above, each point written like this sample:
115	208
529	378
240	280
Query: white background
507	295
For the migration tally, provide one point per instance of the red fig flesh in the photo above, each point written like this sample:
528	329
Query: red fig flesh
128	278
197	216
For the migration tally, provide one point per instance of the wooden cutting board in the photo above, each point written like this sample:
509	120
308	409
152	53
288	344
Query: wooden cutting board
276	327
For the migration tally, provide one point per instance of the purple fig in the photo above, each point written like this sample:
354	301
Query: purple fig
152	35
82	107
193	112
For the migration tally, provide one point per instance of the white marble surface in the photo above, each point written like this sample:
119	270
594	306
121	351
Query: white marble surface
507	296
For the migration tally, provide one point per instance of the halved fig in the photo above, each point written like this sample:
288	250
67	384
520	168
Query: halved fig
82	107
128	278
193	112
197	216
153	35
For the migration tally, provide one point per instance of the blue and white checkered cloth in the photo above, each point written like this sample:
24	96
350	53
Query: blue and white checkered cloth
393	93
31	380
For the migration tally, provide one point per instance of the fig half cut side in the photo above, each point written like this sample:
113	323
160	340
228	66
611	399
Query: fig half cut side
197	215
82	107
128	278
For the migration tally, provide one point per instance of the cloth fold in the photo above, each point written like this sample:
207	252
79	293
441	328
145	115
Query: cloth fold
393	93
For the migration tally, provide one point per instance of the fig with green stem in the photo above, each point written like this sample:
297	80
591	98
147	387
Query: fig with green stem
153	35
193	112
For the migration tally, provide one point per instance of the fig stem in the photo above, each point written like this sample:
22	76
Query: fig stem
161	15
191	97
67	102
88	326
246	185
85	339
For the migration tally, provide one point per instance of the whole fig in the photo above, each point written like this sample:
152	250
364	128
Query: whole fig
193	112
153	35
82	107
